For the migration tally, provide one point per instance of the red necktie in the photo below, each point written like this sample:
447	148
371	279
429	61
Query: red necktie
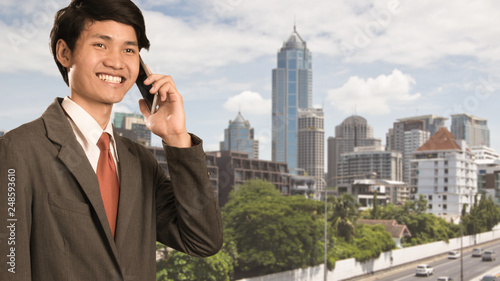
108	181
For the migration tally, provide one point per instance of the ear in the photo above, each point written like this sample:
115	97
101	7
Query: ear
63	53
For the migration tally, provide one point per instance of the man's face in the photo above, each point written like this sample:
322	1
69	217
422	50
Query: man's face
104	63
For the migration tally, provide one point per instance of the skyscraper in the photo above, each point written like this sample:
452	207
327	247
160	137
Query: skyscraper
472	129
412	141
353	132
239	136
291	91
387	165
395	136
311	140
410	133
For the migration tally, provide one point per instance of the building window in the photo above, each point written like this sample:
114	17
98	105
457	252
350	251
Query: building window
446	171
445	206
430	197
445	189
445	179
445	197
430	207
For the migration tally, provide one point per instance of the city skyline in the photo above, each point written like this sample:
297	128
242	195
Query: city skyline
382	60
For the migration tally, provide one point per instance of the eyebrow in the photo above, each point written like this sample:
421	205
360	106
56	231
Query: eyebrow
108	38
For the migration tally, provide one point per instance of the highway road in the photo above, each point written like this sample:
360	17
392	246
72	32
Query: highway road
473	268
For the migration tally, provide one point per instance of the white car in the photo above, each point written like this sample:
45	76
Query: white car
477	252
424	269
454	255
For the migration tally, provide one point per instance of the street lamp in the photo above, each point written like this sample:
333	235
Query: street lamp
325	244
325	270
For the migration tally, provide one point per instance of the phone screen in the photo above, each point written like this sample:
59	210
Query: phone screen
151	99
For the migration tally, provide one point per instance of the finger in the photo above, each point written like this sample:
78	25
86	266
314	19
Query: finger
169	93
144	109
157	80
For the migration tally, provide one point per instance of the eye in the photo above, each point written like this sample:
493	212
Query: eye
132	51
99	45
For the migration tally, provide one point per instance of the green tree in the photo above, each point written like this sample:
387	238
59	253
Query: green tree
179	266
424	227
272	232
483	216
371	241
345	214
418	206
368	242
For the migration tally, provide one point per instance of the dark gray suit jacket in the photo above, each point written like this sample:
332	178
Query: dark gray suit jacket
53	226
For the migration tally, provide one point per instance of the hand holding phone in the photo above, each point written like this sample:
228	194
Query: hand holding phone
169	122
151	99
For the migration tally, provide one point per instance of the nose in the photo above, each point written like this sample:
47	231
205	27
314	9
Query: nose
114	60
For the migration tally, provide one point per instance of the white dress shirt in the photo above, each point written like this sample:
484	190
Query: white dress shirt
88	132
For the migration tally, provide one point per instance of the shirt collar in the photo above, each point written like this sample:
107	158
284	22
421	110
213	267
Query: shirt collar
86	124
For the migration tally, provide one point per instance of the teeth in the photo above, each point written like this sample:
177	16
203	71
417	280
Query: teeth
109	78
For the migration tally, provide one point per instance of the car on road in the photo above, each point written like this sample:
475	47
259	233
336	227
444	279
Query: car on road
477	252
454	255
424	269
444	278
488	278
489	256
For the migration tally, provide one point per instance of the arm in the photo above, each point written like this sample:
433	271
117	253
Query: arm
188	215
15	215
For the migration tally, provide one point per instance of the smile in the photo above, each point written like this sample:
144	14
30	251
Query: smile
110	78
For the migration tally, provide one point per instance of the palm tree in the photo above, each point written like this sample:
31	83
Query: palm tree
345	214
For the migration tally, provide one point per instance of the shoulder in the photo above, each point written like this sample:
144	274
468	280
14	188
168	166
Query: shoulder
17	144
26	134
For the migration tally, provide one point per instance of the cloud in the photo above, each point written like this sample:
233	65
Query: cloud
248	103
420	33
219	33
374	96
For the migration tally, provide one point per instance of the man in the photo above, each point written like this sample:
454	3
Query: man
77	201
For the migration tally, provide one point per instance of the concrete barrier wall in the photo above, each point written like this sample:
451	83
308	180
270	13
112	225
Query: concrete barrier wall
349	268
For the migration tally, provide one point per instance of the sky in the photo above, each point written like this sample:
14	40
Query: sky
382	60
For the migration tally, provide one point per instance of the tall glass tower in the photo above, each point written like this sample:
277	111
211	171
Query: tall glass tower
239	136
292	90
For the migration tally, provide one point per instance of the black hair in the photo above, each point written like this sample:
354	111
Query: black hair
70	21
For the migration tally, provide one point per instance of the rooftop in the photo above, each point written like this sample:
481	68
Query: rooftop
396	230
441	140
295	41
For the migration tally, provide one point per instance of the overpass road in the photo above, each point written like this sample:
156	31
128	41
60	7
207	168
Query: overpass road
473	267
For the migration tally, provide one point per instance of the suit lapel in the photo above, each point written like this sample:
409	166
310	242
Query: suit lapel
73	157
129	186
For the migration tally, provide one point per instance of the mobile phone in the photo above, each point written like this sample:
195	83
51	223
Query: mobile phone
151	99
